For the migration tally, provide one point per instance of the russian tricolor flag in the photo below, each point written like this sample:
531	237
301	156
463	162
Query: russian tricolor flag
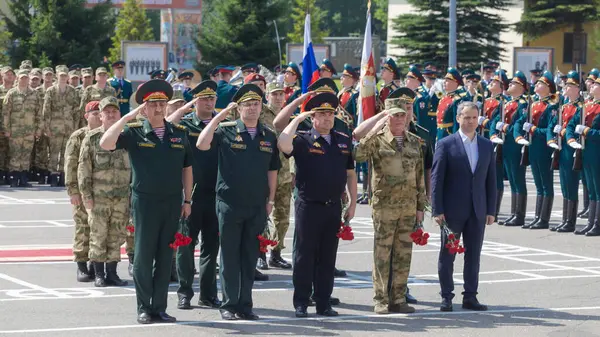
310	69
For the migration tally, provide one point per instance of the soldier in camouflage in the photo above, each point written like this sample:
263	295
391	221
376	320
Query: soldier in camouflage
103	178
39	161
22	122
96	92
81	241
35	78
74	80
397	177
60	109
8	81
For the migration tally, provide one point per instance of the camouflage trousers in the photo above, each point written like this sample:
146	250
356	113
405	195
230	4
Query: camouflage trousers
108	220
81	241
40	153
3	153
392	255
281	214
19	153
129	243
58	143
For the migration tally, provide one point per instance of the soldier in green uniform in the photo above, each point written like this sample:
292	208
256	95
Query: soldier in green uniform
121	85
95	92
472	86
8	81
291	78
326	69
161	159
348	96
534	75
446	110
246	185
434	99
225	91
87	78
41	149
74	78
414	81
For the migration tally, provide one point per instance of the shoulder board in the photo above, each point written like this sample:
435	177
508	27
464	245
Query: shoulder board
341	133
522	101
419	94
233	123
135	124
126	80
462	94
414	135
422	129
179	126
94	131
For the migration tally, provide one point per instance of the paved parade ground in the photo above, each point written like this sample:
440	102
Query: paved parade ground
536	283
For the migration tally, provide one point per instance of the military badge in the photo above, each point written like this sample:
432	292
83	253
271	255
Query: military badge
238	138
315	144
342	146
265	143
175	140
422	105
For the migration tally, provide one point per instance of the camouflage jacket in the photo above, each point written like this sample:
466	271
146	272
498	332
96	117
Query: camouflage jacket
3	92
21	112
267	116
92	93
60	110
72	160
101	173
397	176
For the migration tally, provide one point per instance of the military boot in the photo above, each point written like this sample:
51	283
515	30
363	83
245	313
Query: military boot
112	278
586	204
53	180
591	218
569	226
565	211
24	181
14	179
61	179
130	267
595	231
544	222
99	280
3	179
499	195
41	178
83	274
513	209
538	210
520	209
92	270
174	277
276	261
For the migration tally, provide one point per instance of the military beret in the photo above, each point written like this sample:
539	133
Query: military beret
206	88
101	70
274	86
62	69
154	90
254	77
92	106
23	72
248	92
87	72
109	101
177	97
35	72
325	102
47	70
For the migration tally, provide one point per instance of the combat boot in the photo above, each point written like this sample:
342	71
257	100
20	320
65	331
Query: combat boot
499	195
3	179
61	179
258	276
544	222
277	261
513	209
520	209
586	204
92	270
112	278
591	217
565	211
53	180
99	280
24	181
595	231
14	179
569	227
538	210
174	277
83	274
41	178
130	267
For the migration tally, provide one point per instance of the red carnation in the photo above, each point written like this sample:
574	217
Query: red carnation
130	229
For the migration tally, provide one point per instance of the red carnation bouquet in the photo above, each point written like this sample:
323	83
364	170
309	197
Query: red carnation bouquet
130	228
345	232
452	242
265	243
180	240
419	236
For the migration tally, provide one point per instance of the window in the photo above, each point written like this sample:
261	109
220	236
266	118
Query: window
575	48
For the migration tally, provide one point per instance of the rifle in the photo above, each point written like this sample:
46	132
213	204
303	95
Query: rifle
556	153
578	156
498	148
525	149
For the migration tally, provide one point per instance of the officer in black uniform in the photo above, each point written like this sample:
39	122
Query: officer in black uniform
324	166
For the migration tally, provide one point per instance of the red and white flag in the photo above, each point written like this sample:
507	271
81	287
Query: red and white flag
368	86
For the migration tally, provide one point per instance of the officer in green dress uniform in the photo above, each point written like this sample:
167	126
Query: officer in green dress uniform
569	179
326	69
186	79
505	131
249	68
246	182
225	91
591	78
161	160
544	113
447	107
122	86
291	78
472	84
414	81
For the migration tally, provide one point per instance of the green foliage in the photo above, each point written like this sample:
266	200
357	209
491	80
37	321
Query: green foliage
132	25
424	32
541	17
317	17
5	44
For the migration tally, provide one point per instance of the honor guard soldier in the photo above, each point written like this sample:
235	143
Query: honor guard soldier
534	75
492	110
569	178
446	110
122	86
348	96
291	78
591	78
225	91
424	118
95	92
203	219
326	69
248	161
543	117
158	74
186	78
504	130
324	167
249	68
389	73
589	132
161	159
473	87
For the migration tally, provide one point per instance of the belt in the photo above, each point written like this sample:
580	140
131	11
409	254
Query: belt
122	100
320	202
432	113
445	125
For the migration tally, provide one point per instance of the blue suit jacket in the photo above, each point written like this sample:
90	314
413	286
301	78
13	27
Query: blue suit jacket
456	191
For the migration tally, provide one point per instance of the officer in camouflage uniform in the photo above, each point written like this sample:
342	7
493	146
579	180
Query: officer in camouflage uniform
397	161
96	92
60	109
8	80
81	240
103	178
22	122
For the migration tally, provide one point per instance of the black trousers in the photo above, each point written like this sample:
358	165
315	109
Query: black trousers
315	250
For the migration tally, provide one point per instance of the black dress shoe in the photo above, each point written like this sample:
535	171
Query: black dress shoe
163	317
410	299
327	312
228	315
332	301
301	312
446	305
473	304
247	316
144	318
339	273
210	302
258	276
261	263
184	303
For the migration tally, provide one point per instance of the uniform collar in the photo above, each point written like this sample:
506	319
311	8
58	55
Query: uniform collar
241	127
148	128
314	134
387	135
197	121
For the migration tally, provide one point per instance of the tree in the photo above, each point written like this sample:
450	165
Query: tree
541	17
51	32
424	32
240	31
132	25
317	17
5	44
348	17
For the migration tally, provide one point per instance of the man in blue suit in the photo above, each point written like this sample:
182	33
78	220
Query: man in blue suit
464	196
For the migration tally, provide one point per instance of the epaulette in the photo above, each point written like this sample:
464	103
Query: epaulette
232	123
126	80
422	128
341	133
179	126
135	124
414	135
522	100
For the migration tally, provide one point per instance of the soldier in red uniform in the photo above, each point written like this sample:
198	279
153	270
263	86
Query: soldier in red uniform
389	73
291	78
446	110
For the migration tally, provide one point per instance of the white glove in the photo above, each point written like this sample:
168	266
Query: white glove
575	145
523	142
480	120
579	129
497	140
557	129
500	126
553	145
527	127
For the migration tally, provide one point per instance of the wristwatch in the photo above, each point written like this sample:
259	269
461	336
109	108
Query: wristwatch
187	202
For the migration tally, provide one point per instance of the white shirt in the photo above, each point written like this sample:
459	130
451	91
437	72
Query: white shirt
471	149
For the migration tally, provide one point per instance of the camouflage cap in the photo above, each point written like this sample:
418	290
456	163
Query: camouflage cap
274	86
108	101
62	69
177	96
74	73
47	70
395	106
35	72
92	106
87	72
100	70
23	72
26	64
6	69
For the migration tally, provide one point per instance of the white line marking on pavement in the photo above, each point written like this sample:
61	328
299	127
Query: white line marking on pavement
12	199
299	320
33	221
58	224
32	286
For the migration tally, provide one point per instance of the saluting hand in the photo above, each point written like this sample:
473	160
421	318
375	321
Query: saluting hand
304	115
132	114
221	116
305	96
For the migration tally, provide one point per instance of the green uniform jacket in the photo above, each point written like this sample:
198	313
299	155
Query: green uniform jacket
225	92
124	93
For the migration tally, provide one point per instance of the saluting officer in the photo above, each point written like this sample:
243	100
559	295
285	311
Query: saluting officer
448	105
324	166
161	160
246	184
